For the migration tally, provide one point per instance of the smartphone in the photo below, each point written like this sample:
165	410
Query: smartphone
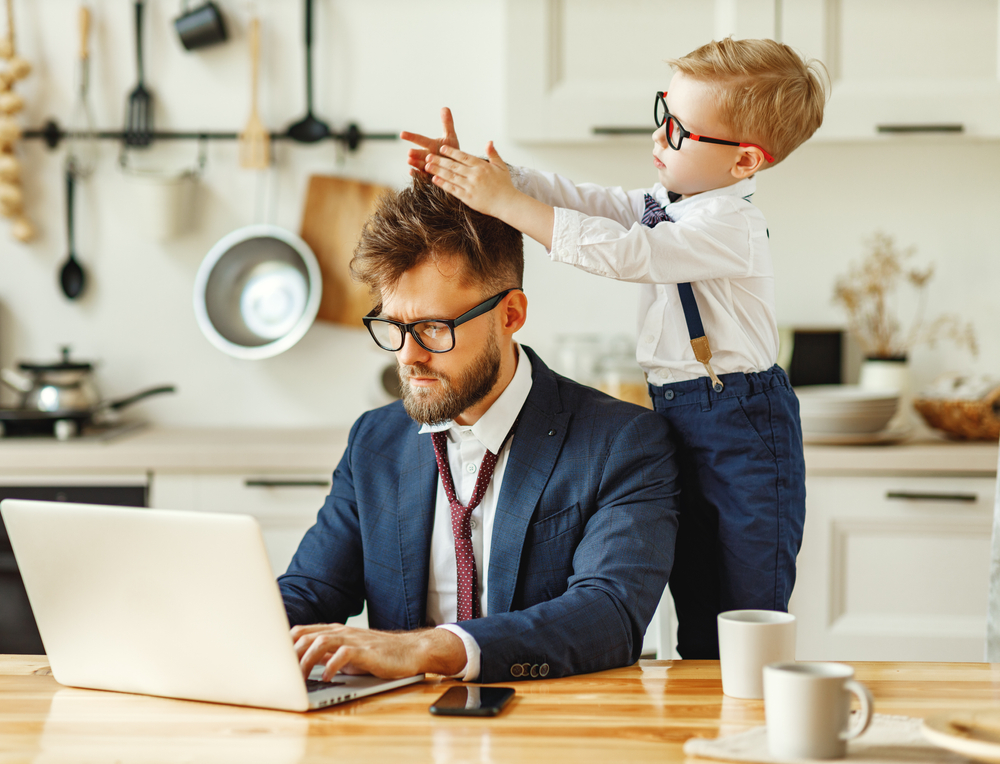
472	701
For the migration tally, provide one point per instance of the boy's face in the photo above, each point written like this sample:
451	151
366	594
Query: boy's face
697	166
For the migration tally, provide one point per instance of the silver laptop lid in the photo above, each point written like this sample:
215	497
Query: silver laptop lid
159	602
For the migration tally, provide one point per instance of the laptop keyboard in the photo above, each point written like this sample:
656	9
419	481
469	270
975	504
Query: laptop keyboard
315	684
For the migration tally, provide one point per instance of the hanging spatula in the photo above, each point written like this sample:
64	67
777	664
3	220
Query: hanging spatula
139	109
82	146
254	140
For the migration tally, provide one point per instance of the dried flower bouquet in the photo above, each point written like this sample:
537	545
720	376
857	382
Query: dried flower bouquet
869	294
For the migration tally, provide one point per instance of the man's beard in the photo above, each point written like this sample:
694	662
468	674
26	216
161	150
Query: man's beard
454	395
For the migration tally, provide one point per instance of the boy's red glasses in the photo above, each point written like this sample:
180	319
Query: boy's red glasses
676	136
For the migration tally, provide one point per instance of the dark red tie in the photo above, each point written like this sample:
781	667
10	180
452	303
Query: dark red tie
468	582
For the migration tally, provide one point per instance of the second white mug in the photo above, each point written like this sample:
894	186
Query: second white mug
748	641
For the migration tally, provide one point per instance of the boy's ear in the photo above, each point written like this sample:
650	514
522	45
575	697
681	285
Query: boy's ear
750	160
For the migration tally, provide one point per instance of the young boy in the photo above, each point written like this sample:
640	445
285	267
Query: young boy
707	334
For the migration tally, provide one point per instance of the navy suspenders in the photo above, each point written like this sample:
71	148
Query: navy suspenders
652	216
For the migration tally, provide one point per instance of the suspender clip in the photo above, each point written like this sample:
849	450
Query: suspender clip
703	354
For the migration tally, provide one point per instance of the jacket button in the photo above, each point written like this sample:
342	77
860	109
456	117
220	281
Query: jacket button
525	669
534	671
515	670
543	670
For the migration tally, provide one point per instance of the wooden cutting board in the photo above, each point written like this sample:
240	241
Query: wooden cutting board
335	211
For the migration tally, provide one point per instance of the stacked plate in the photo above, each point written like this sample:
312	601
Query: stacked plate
845	413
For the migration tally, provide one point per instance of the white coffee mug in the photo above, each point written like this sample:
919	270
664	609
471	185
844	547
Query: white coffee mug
808	706
748	641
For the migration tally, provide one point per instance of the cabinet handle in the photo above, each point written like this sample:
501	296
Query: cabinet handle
944	127
621	131
264	483
967	498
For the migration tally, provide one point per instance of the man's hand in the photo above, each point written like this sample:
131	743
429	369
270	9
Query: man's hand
417	158
385	654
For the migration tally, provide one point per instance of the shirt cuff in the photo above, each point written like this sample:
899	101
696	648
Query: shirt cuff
566	236
472	655
518	177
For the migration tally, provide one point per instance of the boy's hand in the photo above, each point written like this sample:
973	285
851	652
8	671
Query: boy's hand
417	158
485	185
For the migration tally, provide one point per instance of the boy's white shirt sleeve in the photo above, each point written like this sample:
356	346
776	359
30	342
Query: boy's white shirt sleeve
588	198
597	229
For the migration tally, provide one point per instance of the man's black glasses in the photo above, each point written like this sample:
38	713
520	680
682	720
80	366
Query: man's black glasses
434	335
676	132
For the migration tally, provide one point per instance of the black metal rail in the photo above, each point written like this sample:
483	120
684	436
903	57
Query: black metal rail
53	135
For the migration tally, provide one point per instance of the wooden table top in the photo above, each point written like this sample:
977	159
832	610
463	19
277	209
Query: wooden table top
642	713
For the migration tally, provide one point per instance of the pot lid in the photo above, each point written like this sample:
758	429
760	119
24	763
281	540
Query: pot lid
65	365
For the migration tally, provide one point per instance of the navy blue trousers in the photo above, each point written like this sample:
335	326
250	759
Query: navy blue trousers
742	499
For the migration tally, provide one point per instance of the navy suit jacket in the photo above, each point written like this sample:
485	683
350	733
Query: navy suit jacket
583	538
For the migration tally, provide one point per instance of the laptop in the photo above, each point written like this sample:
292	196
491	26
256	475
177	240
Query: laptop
163	602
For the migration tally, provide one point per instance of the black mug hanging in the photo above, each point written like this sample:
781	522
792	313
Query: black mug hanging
201	27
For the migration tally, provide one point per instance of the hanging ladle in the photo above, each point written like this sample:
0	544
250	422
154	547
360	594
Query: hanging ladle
309	129
72	277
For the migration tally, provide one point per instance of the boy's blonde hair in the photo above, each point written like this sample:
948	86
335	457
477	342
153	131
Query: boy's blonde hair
766	93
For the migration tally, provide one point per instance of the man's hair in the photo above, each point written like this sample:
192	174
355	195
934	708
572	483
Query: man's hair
424	222
765	92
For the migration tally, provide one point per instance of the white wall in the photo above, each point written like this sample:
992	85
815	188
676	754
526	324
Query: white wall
388	65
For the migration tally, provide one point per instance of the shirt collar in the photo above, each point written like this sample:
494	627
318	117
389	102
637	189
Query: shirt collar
493	426
743	188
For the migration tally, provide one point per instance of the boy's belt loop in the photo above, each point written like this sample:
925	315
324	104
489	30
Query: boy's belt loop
699	342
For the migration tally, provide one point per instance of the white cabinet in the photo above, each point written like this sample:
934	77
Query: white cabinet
284	504
581	70
584	70
902	66
894	568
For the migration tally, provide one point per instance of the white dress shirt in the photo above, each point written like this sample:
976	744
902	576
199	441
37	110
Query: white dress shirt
467	446
717	241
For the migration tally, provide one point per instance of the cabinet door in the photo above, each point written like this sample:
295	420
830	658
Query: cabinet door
894	569
902	66
580	70
284	504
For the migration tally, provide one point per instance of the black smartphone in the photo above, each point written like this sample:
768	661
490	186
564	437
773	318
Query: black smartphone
472	701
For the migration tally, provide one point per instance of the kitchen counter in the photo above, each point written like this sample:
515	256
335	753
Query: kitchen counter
159	449
318	450
924	456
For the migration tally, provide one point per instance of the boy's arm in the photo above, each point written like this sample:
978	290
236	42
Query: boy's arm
486	186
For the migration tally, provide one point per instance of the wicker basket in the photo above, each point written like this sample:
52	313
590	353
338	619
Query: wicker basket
970	420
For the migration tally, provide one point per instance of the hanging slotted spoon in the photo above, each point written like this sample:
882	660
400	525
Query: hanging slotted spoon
139	109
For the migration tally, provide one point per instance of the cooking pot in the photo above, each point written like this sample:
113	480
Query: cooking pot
61	392
63	386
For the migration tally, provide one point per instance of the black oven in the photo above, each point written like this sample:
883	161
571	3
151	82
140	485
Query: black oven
18	632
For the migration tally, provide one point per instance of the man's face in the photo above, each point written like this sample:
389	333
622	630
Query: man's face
440	386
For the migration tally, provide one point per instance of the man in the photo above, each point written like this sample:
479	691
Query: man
562	560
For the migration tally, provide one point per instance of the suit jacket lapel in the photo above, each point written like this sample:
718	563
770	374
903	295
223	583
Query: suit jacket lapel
533	452
415	511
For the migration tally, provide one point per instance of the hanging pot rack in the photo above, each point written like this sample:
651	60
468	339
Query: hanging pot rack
53	134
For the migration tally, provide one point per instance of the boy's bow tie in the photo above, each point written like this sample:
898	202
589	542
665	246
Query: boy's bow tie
653	215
